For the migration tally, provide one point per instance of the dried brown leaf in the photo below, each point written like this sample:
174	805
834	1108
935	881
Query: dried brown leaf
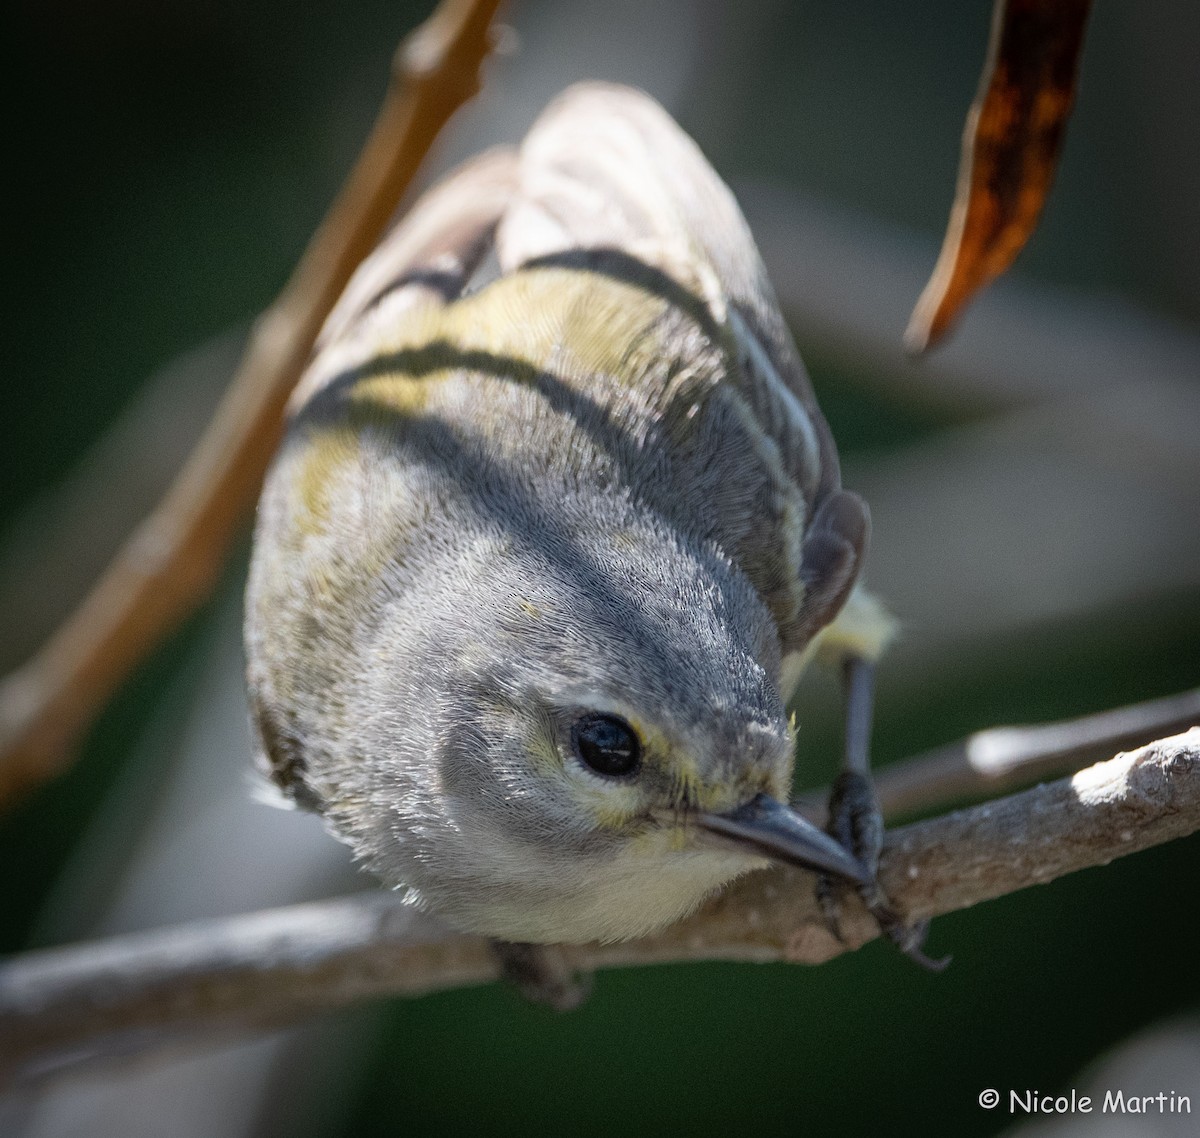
1011	143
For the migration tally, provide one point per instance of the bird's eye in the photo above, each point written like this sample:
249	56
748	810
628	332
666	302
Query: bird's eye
607	744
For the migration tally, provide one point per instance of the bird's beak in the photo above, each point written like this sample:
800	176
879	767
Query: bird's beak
768	827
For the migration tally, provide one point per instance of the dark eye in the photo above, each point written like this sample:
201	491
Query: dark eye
607	744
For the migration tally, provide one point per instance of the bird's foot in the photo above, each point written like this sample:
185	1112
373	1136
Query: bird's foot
857	823
542	975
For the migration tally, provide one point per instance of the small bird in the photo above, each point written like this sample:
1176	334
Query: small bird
554	529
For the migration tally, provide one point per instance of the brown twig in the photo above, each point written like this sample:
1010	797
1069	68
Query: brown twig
64	1007
170	563
1010	150
1002	759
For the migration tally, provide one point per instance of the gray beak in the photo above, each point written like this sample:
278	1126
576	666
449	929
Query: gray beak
778	832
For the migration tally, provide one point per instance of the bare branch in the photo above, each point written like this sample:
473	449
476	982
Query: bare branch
1001	759
61	1008
169	564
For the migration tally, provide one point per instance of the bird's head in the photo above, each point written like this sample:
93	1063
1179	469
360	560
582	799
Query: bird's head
581	737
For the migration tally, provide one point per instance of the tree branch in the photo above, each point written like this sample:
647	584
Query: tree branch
1000	759
170	563
64	1007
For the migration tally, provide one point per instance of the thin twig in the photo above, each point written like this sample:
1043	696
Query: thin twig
1003	759
62	1008
170	563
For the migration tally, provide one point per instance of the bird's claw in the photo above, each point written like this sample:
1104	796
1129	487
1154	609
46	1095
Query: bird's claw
856	821
541	975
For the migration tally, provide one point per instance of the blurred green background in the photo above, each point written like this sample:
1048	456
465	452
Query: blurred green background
167	163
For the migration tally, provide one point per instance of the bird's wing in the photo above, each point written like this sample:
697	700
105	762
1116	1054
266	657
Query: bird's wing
605	167
426	258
